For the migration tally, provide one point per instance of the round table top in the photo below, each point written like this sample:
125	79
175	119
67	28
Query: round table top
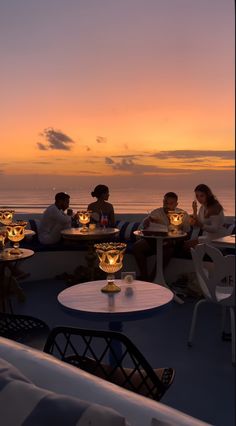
227	241
172	235
134	298
96	234
6	256
29	233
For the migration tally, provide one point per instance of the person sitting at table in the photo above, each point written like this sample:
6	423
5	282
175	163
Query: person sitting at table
55	219
147	247
209	218
101	207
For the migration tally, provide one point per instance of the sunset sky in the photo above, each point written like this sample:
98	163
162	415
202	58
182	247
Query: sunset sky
116	87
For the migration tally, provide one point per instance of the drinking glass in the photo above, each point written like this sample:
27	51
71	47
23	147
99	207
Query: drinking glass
104	221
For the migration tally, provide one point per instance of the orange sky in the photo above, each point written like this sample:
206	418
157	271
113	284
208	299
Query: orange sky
117	85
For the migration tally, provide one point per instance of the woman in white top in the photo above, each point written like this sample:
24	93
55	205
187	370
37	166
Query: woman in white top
210	217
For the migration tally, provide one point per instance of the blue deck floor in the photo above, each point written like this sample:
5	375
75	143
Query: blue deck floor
204	386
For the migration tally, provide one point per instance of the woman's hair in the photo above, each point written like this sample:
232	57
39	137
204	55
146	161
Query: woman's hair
99	190
211	200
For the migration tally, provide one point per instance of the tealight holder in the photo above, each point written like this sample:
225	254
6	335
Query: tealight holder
84	218
110	257
16	233
176	221
6	216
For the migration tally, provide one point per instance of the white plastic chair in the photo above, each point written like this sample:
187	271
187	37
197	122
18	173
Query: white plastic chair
217	285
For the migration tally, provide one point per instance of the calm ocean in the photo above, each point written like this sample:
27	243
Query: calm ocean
130	200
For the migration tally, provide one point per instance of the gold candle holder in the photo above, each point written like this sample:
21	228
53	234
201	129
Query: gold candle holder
3	236
110	261
6	216
16	233
84	218
176	220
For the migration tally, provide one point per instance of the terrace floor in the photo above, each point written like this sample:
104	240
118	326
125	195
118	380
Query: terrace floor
204	385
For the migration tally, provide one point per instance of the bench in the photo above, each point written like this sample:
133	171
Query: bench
53	260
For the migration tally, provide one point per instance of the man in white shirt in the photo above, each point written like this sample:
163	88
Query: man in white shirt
147	247
54	220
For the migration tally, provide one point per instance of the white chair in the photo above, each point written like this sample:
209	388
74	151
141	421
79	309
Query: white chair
217	285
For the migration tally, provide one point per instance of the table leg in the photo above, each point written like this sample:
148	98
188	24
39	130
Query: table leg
91	259
116	346
159	276
6	290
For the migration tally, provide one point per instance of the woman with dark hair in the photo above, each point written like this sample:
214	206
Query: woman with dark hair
101	208
210	216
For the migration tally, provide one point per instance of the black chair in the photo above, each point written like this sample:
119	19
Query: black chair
24	329
91	350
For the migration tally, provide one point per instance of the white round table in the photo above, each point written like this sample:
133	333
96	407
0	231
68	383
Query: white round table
135	300
29	233
159	275
225	242
96	234
7	258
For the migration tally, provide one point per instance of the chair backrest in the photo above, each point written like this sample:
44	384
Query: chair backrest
106	354
221	274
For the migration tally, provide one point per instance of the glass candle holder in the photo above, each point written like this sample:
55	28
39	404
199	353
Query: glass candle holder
6	216
84	218
16	233
110	257
176	220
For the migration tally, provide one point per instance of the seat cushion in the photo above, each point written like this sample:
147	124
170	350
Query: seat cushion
23	403
127	230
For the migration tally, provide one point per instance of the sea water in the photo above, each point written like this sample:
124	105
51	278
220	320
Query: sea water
125	200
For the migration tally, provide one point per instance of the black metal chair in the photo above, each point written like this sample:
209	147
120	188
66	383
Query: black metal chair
91	350
24	329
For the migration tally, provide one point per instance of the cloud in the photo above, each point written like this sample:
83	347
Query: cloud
42	162
187	154
42	147
128	165
88	172
109	161
55	139
101	139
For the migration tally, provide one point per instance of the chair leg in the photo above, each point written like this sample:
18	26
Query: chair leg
232	332
193	323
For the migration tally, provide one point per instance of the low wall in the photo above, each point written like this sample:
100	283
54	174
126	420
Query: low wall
48	264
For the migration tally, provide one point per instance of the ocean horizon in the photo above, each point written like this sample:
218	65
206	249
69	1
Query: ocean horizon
124	200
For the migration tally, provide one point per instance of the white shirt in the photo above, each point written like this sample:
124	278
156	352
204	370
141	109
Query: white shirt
51	225
213	225
164	220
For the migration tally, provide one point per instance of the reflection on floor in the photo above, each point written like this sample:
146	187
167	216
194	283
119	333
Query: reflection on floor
204	383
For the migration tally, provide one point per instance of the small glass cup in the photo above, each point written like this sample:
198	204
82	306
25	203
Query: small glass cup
104	221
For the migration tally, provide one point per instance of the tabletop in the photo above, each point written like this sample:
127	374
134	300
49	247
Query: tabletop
96	234
170	235
6	256
28	233
228	241
134	298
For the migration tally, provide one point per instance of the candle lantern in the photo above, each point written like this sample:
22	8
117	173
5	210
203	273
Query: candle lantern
6	216
16	233
84	218
176	221
110	261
